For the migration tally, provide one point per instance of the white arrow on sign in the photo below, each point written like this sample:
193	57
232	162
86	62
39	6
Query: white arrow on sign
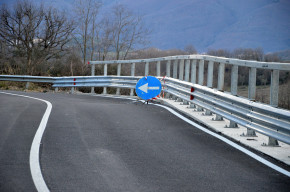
145	88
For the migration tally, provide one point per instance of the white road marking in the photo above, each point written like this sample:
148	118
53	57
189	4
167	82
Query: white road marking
145	88
34	150
240	148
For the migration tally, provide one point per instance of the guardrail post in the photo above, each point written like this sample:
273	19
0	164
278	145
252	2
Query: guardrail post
187	66
200	78
234	90
193	77
118	74
200	72
210	74
274	88
27	85
175	64
93	74
168	66
234	79
252	83
274	98
181	69
132	74
209	82
181	74
146	68
105	74
158	68
72	90
220	86
193	71
251	96
221	77
56	89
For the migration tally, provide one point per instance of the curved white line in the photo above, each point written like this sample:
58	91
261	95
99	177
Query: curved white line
34	150
240	148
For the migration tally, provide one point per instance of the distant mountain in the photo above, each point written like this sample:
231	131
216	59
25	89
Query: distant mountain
206	24
226	24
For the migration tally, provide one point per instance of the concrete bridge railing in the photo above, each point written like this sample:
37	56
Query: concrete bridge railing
185	68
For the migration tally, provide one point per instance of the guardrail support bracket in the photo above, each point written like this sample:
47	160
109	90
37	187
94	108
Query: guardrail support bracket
272	143
207	113
232	125
218	118
250	133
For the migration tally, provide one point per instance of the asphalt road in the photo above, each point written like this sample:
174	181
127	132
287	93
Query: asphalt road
103	144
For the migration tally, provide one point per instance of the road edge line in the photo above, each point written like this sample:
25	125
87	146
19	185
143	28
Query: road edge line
34	162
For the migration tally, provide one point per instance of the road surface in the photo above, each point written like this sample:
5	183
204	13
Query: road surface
102	144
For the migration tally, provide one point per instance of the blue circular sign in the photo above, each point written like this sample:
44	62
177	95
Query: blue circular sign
148	87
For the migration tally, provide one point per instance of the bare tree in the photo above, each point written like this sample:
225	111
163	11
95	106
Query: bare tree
34	33
86	16
190	49
128	31
104	38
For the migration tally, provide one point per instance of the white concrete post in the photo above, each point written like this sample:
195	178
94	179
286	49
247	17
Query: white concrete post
209	82
200	72
27	85
105	74
168	64
158	68
187	66
252	83
251	95
234	79
210	74
221	77
132	74
93	74
274	92
193	77
146	68
274	98
181	69
118	74
193	71
175	64
234	89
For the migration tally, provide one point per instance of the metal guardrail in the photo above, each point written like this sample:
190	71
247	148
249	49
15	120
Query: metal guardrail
27	78
266	119
97	81
262	118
